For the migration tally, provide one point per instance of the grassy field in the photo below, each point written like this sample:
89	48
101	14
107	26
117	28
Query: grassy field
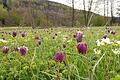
100	62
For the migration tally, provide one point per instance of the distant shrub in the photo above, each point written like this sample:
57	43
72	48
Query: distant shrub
3	12
40	21
15	17
98	21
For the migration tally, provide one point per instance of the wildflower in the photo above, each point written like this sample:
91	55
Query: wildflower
82	47
23	50
23	34
53	37
107	41
36	37
14	34
17	49
59	56
79	36
116	51
99	43
5	49
64	45
39	42
105	36
118	42
4	41
113	32
103	41
56	34
96	51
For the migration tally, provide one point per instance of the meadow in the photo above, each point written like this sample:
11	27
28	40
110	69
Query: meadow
31	54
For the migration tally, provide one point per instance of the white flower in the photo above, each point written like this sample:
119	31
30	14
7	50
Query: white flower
118	42
99	43
103	41
96	51
4	41
116	51
106	40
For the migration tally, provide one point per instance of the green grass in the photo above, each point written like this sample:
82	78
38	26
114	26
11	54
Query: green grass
39	62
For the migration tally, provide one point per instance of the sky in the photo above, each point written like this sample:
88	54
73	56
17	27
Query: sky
98	6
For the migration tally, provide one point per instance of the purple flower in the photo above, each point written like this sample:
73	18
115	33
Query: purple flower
5	49
39	42
17	49
74	35
64	45
82	47
14	34
59	56
79	35
105	36
23	34
53	37
3	38
23	51
113	32
108	31
56	34
36	37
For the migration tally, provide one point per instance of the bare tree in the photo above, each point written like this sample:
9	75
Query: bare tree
118	12
6	4
107	8
104	8
112	16
84	12
73	13
32	14
87	14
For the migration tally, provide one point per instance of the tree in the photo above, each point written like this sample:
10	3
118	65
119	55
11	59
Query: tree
3	15
45	10
104	8
118	13
73	14
112	16
6	4
107	8
87	14
32	13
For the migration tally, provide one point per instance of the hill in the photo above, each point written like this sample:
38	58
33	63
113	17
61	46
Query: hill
43	13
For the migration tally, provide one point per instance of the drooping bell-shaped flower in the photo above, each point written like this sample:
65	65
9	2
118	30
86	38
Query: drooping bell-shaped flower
5	49
23	50
16	49
105	36
113	32
59	56
23	34
78	35
82	47
14	34
36	37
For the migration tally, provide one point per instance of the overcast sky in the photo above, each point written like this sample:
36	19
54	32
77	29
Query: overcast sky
98	6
